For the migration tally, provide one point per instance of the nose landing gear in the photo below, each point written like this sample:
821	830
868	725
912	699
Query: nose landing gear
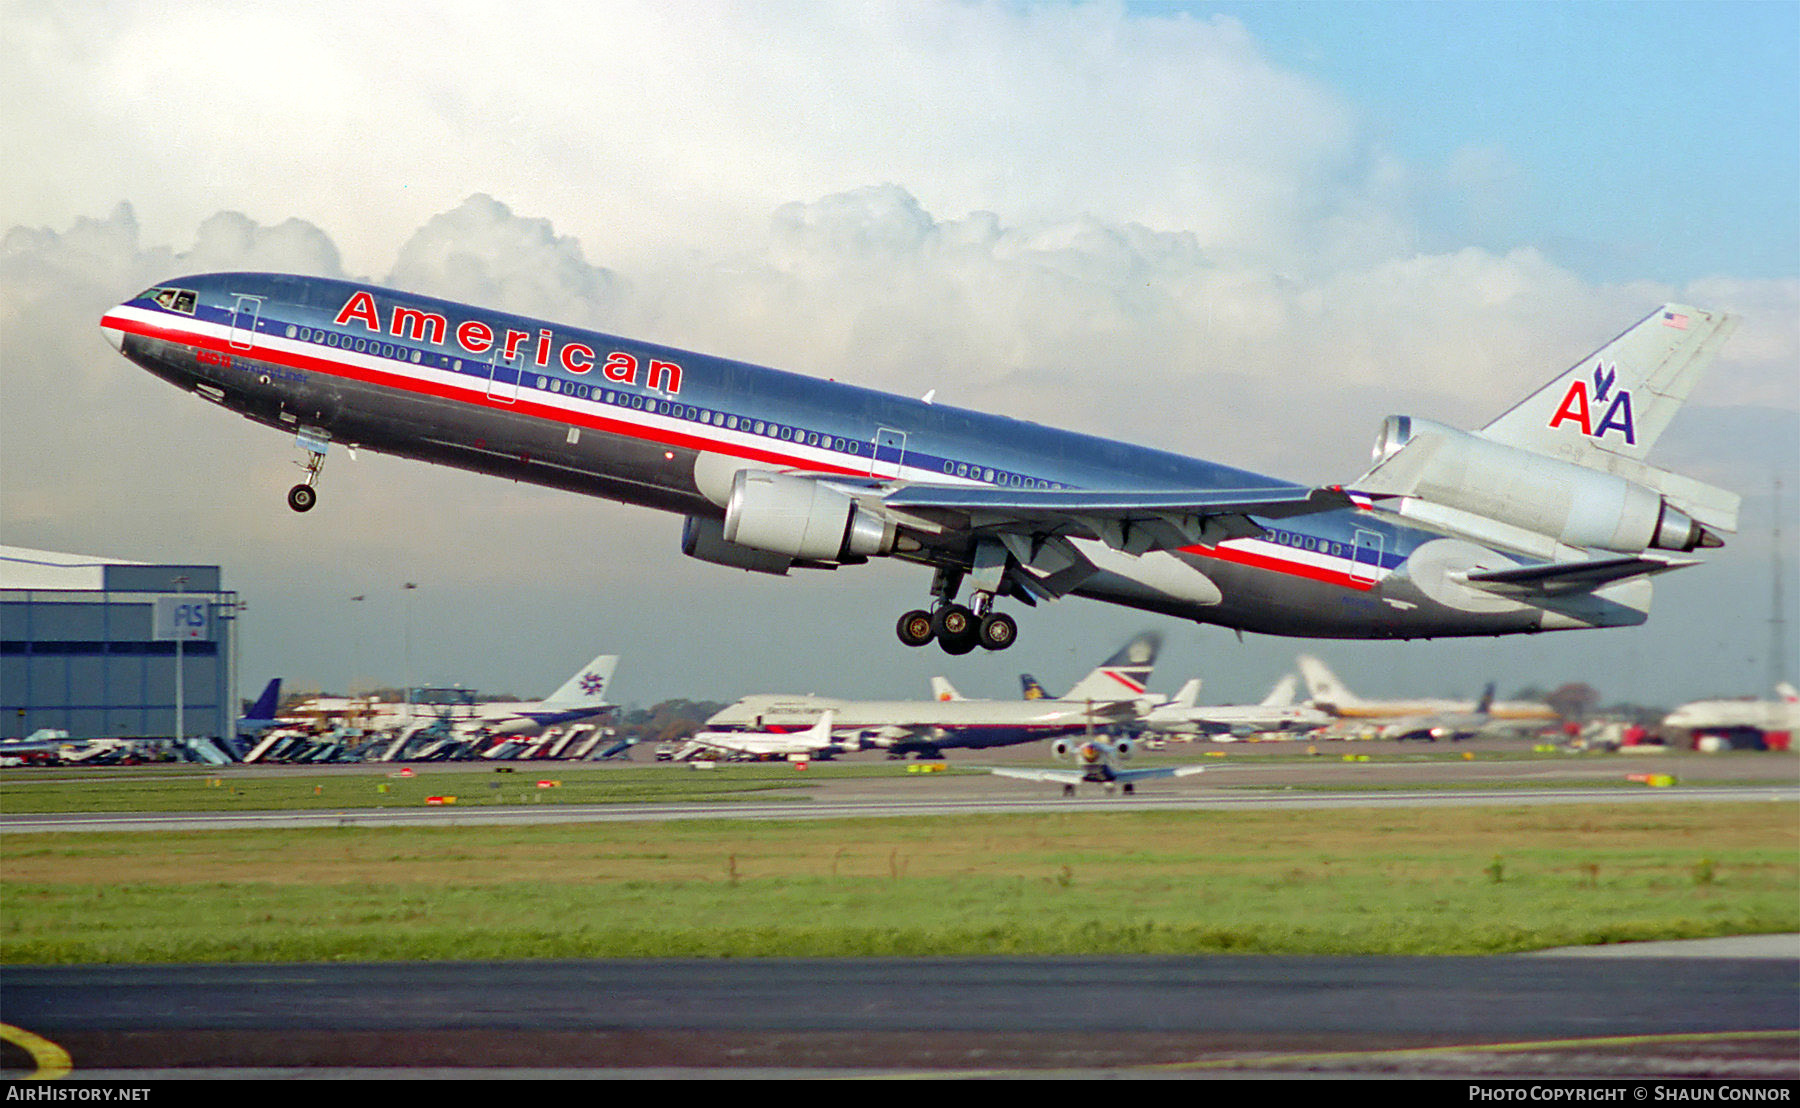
303	496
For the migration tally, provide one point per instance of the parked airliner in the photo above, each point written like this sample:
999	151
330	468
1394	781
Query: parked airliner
1547	518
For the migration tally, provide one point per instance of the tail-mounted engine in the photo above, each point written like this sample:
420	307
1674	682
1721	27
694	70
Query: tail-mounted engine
1573	504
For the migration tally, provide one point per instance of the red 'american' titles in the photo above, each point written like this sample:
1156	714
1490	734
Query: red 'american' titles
476	337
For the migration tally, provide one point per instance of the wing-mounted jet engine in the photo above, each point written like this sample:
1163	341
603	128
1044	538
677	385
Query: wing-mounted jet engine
803	518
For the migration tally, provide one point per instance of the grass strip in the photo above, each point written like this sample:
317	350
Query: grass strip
1421	881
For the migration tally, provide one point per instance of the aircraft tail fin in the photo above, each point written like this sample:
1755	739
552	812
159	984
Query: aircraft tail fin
1787	691
1485	706
1282	694
1188	696
1619	399
589	684
942	689
1323	685
265	704
1124	675
1031	689
819	734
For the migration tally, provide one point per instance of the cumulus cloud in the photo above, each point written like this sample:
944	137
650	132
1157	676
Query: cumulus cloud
644	126
481	253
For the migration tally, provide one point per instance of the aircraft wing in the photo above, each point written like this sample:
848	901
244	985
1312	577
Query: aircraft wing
1149	773
1076	776
1059	776
1131	520
1561	578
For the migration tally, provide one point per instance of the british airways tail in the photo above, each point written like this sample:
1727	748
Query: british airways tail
1124	675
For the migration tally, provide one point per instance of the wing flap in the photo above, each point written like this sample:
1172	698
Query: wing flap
1135	521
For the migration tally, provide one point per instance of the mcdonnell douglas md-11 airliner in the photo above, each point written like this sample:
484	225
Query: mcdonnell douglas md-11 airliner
1547	518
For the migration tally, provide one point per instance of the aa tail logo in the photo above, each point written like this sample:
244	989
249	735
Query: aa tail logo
1580	402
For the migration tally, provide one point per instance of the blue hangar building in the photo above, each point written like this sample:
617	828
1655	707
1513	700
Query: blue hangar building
90	646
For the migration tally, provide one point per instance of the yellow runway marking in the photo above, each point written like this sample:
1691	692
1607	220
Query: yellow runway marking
52	1060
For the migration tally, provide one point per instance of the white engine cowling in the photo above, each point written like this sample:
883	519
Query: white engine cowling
802	518
702	537
1570	503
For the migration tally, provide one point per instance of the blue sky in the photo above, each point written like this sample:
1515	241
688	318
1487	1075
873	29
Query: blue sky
1652	140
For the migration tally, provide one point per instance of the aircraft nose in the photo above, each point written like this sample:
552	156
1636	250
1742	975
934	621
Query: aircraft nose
113	332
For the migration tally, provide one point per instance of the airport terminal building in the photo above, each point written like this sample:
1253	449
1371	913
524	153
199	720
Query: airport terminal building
91	645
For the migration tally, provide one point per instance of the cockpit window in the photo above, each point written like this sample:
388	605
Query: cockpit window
176	300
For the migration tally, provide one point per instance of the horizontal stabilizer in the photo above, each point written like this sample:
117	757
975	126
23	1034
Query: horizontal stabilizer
1562	578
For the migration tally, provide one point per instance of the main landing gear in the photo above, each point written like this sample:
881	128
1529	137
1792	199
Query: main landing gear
957	629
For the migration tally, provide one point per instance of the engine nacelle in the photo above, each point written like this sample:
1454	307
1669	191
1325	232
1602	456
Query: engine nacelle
1123	748
1061	748
1568	502
701	538
802	518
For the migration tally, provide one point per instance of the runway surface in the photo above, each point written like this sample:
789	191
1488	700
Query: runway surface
857	808
1556	1015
